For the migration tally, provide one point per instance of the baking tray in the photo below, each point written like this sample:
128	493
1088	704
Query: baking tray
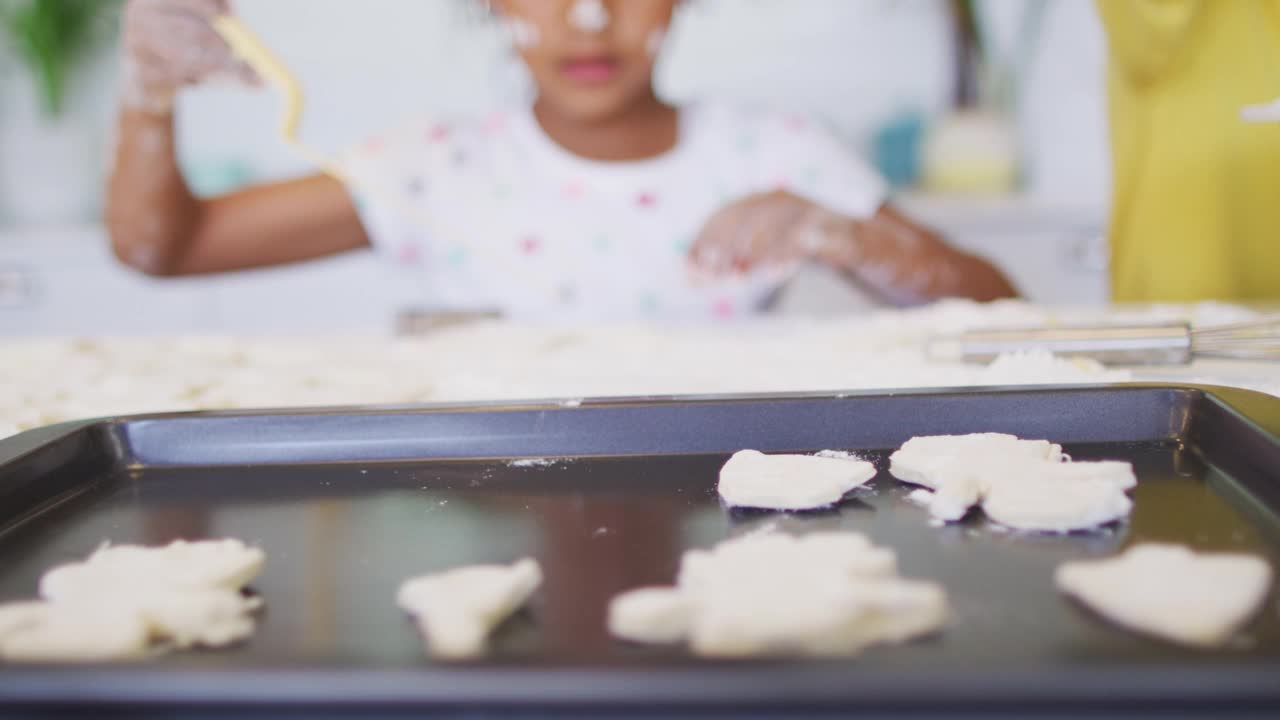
349	502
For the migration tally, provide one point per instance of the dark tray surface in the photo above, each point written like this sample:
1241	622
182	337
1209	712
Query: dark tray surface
341	536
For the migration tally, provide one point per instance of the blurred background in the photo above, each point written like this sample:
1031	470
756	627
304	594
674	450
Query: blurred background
1006	155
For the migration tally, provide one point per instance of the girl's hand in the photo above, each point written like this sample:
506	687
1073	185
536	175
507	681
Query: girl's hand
775	228
170	44
895	258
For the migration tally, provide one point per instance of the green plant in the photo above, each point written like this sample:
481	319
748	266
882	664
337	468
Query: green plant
52	37
982	76
970	53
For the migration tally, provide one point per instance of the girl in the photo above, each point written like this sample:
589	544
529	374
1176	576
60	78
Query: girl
599	201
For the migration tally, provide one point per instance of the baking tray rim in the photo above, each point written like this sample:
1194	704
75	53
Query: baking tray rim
14	447
749	683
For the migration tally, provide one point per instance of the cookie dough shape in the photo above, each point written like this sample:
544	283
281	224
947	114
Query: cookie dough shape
36	632
654	615
457	609
1023	484
206	565
1171	592
1041	502
930	461
125	599
751	479
769	594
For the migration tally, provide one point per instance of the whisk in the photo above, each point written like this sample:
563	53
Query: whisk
1167	344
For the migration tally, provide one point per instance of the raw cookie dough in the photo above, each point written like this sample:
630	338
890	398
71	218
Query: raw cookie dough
187	593
208	618
1023	484
752	479
831	593
926	460
1045	504
656	615
457	609
206	565
1171	592
46	633
123	598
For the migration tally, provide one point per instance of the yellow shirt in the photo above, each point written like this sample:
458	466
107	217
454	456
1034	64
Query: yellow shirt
1197	191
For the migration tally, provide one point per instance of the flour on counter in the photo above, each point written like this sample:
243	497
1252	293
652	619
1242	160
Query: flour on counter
752	479
46	381
1044	368
1171	592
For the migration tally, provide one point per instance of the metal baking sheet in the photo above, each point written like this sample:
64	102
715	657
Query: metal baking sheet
349	502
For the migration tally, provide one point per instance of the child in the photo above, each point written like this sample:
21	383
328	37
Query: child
599	202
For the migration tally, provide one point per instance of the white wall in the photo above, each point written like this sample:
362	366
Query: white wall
854	60
367	63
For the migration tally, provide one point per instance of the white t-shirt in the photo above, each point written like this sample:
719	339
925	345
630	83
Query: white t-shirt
494	215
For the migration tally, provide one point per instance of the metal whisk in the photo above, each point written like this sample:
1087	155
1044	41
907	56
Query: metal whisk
1171	344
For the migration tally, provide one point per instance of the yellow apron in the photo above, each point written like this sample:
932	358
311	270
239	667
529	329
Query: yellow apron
1197	191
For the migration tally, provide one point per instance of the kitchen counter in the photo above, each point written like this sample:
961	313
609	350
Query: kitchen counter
43	381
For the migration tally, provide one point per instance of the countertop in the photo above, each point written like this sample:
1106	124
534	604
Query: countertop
48	380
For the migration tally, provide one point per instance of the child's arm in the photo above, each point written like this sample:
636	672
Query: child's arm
159	227
156	224
905	262
897	259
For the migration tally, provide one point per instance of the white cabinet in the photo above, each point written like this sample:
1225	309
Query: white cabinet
66	282
357	291
56	282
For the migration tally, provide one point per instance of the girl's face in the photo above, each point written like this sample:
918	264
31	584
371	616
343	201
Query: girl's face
591	59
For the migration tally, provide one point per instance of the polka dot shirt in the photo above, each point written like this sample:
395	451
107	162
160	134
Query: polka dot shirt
491	214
